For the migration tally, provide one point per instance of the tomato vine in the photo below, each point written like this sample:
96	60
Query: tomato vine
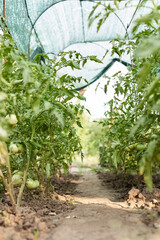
132	131
37	117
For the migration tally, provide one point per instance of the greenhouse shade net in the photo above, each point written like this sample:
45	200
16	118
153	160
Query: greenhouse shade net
52	26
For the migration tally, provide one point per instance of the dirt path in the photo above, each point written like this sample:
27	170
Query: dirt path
98	217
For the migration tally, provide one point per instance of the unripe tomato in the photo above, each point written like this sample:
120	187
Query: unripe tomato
127	130
17	179
12	119
32	184
13	148
141	146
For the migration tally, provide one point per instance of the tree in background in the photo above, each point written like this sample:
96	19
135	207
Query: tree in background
90	135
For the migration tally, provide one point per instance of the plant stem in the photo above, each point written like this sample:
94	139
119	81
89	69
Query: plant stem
33	131
8	192
9	174
24	178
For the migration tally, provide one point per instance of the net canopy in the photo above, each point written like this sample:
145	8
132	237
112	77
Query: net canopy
60	25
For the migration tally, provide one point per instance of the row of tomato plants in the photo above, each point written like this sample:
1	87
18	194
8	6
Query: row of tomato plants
37	117
131	141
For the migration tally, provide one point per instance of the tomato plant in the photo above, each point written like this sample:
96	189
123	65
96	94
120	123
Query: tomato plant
132	123
37	118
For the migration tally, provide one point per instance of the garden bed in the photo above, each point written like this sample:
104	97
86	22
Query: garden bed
37	215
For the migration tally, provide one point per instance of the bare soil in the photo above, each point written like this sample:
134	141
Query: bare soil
89	206
38	215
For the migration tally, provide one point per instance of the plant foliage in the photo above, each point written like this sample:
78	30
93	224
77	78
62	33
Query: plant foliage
132	130
37	117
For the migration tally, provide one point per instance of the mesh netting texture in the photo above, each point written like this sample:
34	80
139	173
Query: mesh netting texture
58	25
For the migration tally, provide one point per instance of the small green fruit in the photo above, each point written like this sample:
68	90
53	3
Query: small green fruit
13	148
32	184
17	179
12	119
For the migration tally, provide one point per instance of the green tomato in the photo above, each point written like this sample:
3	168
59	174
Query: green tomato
127	149
12	119
127	130
17	172
13	148
131	147
32	184
140	147
17	179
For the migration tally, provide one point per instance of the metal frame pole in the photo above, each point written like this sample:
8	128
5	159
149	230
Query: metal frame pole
4	8
4	14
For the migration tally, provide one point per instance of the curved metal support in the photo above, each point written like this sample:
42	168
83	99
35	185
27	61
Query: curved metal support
105	69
